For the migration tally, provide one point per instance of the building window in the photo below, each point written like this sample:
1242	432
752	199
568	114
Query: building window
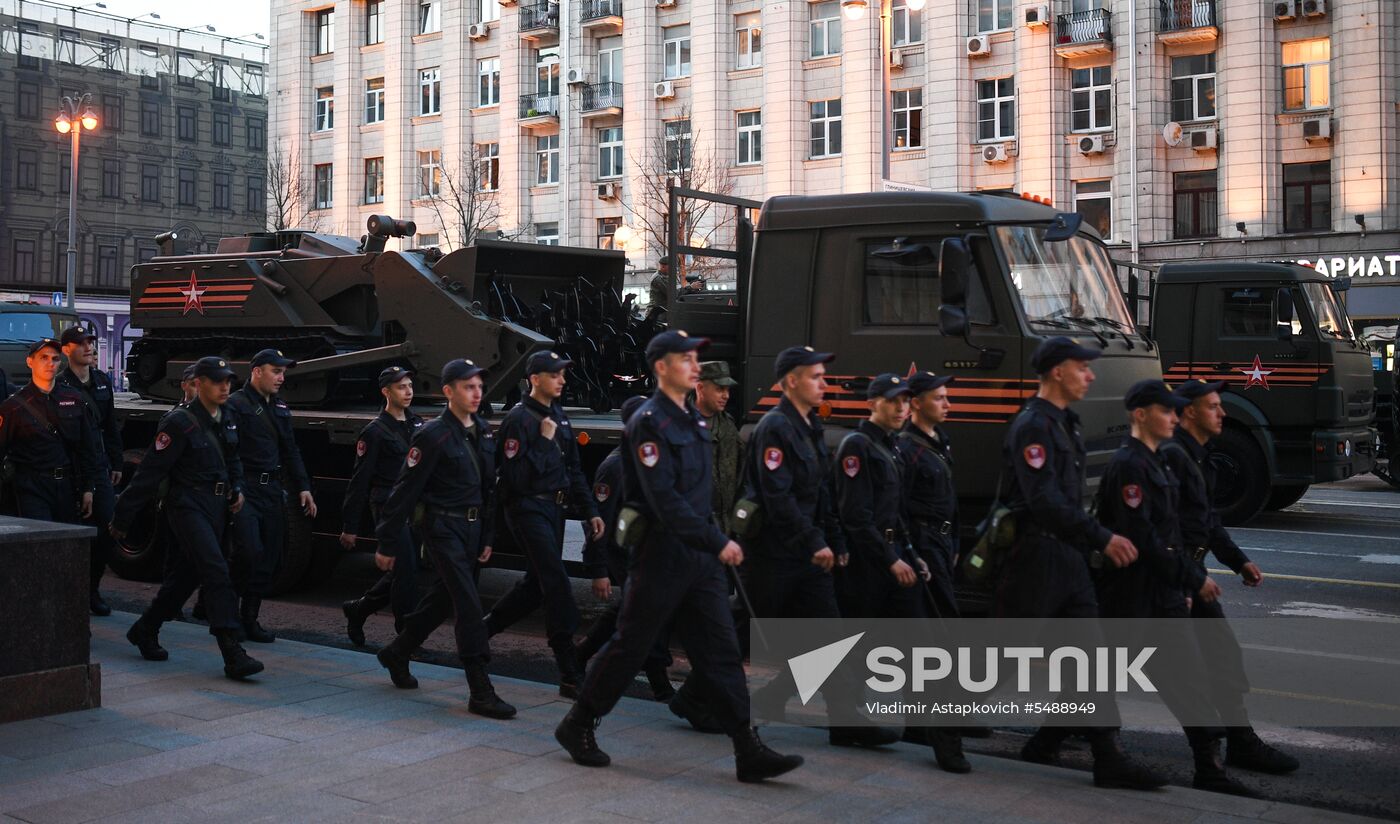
826	128
1193	88
547	159
547	234
488	167
429	17
430	173
750	138
325	31
223	191
223	131
253	79
374	22
257	198
1094	200
28	36
187	123
607	228
488	81
825	28
256	130
610	152
374	100
325	191
150	118
488	10
112	178
430	91
189	188
750	41
220	88
150	182
374	180
1307	197
675	49
909	119
1195	205
427	239
108	259
994	15
111	54
65	172
324	115
677	136
113	112
26	169
1091	99
1306	74
906	24
25	264
996	109
184	68
28	107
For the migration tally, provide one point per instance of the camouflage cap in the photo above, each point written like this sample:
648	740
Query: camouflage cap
717	372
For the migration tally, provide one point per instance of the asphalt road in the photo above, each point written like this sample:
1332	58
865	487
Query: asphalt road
1335	554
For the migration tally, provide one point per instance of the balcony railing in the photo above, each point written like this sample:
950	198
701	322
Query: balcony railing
1084	32
598	96
537	16
539	105
1186	20
599	9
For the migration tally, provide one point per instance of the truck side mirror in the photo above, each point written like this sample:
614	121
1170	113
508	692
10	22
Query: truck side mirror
1066	226
1285	314
952	320
954	269
1341	284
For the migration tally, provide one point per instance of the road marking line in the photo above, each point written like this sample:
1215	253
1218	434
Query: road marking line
1311	579
1340	656
1322	534
1316	502
1306	552
1303	696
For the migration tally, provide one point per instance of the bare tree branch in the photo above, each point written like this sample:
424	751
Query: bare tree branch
290	199
467	201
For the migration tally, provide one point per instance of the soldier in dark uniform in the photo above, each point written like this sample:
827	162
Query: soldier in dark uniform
196	451
1187	453
188	384
447	479
542	483
1138	499
83	376
267	448
1046	574
677	570
48	439
930	499
379	456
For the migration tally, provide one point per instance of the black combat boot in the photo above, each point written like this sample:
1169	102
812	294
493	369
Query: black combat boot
948	751
1113	769
356	613
394	658
660	682
237	663
145	635
1248	751
197	611
97	606
570	676
575	735
1044	746
484	700
252	630
755	761
690	707
862	736
1210	771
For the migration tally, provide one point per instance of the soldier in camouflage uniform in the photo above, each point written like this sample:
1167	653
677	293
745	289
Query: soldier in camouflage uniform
711	398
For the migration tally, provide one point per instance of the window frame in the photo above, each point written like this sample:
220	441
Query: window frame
1199	96
224	181
1090	94
547	160
748	40
27	169
374	22
826	29
323	29
1197	198
998	101
221	121
323	110
827	121
150	118
111	178
488	79
187	186
255	133
997	15
374	101
607	231
150	183
544	238
429	17
913	115
678	138
679	47
748	145
430	91
1308	187
488	172
323	186
1106	195
429	173
374	180
1306	69
187	115
488	11
903	21
611	159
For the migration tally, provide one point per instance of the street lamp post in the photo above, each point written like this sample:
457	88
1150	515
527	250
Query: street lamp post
76	115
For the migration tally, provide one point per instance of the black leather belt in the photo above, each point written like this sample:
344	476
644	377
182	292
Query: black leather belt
471	513
58	473
556	497
1199	554
941	527
265	478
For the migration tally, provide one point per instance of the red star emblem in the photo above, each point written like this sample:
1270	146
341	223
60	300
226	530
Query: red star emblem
192	293
1258	376
913	370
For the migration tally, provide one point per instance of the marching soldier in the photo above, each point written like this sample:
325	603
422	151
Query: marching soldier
1138	499
47	437
929	494
379	456
267	447
188	385
677	571
1187	453
448	476
711	400
196	450
95	387
1046	574
542	483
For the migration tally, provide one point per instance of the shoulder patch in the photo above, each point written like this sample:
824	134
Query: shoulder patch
649	454
360	448
1034	456
772	458
414	456
512	448
162	441
1132	495
850	465
602	492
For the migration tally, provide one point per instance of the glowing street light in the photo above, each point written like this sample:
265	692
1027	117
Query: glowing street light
853	9
75	117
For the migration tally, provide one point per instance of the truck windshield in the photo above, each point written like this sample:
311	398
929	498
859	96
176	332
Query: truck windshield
1332	319
26	327
1063	284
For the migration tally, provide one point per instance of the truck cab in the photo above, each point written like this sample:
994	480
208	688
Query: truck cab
1299	394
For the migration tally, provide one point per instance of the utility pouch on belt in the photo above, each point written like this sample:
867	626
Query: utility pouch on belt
747	518
631	528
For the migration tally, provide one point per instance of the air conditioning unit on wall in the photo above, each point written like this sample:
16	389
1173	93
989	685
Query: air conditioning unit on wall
607	191
478	31
574	77
664	90
996	153
1038	16
1317	130
1204	140
1314	8
1091	144
979	46
1284	10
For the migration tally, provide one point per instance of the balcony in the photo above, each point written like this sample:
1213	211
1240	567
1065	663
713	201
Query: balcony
601	14
602	100
539	112
1186	21
1082	33
539	21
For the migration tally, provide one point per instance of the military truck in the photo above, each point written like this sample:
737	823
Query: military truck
20	325
966	284
1299	394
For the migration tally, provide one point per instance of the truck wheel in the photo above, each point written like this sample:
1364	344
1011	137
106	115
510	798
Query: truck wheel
1242	476
140	556
296	552
1284	496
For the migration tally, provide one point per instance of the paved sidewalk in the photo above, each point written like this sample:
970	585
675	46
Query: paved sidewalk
322	736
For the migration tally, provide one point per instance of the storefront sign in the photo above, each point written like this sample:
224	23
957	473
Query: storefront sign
1359	266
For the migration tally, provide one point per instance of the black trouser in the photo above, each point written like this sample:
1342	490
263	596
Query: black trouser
104	505
866	588
1228	683
397	588
41	497
666	583
538	529
259	529
196	560
605	625
939	550
454	543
